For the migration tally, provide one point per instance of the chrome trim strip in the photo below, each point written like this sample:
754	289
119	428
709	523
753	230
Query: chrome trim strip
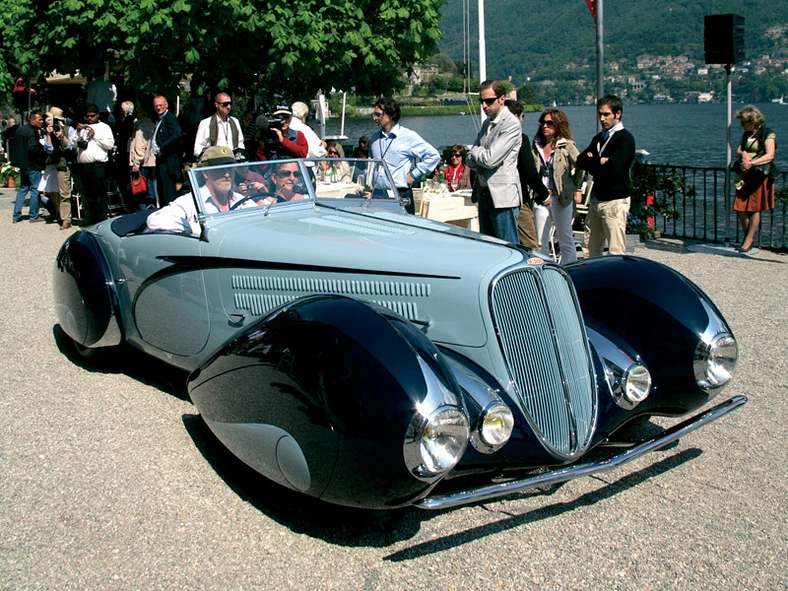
493	491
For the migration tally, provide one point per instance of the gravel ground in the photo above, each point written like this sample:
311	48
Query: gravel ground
110	480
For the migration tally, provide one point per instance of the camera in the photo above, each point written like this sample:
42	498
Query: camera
56	126
84	137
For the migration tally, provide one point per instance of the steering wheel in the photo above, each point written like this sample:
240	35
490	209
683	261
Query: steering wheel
255	196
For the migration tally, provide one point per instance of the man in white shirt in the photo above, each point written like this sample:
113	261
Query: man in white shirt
317	147
216	194
94	142
220	129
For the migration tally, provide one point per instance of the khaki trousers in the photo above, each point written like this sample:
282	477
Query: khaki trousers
63	199
526	230
606	222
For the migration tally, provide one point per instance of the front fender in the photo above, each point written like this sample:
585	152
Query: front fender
319	395
657	312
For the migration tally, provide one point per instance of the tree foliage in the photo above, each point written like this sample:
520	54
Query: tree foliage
299	46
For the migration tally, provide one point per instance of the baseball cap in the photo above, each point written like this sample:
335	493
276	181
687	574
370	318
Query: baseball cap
217	155
283	110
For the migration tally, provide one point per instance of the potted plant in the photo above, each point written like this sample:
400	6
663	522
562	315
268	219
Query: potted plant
9	175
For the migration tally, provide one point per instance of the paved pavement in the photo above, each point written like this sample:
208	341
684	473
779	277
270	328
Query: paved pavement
110	480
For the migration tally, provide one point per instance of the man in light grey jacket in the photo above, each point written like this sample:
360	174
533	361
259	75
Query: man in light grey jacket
493	156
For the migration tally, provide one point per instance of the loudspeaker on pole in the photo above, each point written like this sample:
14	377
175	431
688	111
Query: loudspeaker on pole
723	38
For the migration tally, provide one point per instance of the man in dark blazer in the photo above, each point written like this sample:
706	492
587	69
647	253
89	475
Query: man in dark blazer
167	149
529	177
608	159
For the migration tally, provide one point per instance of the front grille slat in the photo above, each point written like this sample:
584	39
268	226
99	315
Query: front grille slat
543	341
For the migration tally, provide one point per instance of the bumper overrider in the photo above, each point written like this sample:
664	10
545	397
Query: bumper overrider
498	490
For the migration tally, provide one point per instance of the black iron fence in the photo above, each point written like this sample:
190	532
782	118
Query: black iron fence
690	202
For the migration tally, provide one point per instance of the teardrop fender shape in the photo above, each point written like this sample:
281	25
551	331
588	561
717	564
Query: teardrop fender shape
656	311
318	397
86	303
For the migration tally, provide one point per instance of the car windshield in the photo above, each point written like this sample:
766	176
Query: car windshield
230	187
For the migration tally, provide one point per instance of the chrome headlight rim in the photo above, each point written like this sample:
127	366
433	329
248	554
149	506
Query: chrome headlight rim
494	428
436	442
715	361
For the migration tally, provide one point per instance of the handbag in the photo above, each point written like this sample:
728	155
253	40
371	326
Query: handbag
139	185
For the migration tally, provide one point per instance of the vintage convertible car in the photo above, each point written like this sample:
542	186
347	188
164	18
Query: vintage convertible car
371	358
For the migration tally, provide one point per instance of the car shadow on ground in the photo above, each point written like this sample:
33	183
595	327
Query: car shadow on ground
127	360
352	527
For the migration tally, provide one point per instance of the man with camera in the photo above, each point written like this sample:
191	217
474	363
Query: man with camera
94	142
278	140
64	144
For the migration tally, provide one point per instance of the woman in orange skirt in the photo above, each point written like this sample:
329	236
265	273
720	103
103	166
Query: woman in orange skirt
754	188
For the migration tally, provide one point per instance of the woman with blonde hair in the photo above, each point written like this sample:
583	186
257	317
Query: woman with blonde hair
755	173
555	155
332	171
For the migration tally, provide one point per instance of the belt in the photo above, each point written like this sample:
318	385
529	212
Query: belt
403	190
91	163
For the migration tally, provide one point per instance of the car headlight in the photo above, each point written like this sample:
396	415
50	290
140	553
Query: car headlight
439	440
714	361
637	384
493	428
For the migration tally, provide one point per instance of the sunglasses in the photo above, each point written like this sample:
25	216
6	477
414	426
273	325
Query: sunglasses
547	123
91	115
288	173
456	155
226	103
333	153
488	101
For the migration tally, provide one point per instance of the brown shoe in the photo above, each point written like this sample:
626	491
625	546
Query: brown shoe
66	226
36	220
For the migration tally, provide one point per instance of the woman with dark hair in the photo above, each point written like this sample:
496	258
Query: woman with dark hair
555	154
457	174
755	173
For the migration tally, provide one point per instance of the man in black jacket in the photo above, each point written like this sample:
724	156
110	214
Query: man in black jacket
608	159
167	149
29	156
529	177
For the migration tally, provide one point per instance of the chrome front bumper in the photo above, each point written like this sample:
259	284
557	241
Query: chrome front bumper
493	491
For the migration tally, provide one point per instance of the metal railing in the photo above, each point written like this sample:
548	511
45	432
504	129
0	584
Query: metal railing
703	211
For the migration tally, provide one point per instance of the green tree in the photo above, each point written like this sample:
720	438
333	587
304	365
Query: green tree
527	95
298	46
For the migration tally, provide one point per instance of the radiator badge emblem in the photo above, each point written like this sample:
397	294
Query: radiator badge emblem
535	261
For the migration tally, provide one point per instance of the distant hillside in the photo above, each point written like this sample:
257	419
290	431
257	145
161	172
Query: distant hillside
540	38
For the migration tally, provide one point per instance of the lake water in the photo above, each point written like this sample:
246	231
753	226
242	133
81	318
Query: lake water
680	134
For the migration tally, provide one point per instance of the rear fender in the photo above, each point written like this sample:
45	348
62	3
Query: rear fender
86	302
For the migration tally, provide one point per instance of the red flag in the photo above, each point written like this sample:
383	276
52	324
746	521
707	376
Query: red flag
592	7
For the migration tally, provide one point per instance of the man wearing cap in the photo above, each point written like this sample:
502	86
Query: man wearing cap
64	152
284	142
317	147
216	193
220	129
94	143
167	149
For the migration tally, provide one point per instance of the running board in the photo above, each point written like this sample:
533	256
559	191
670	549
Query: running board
493	491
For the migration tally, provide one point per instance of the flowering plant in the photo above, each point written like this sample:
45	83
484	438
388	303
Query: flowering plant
8	171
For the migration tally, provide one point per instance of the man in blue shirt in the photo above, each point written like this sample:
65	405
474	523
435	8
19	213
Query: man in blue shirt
408	156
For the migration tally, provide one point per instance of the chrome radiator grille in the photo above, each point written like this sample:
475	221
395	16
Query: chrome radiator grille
543	340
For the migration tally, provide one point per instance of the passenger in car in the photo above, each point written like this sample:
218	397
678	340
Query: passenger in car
288	183
216	193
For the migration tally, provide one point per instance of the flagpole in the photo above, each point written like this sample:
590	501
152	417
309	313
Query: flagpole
600	53
482	51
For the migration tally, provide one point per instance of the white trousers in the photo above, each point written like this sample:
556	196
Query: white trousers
561	217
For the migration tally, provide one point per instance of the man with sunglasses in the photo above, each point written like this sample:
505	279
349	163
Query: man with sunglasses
95	140
408	156
220	129
493	156
216	193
